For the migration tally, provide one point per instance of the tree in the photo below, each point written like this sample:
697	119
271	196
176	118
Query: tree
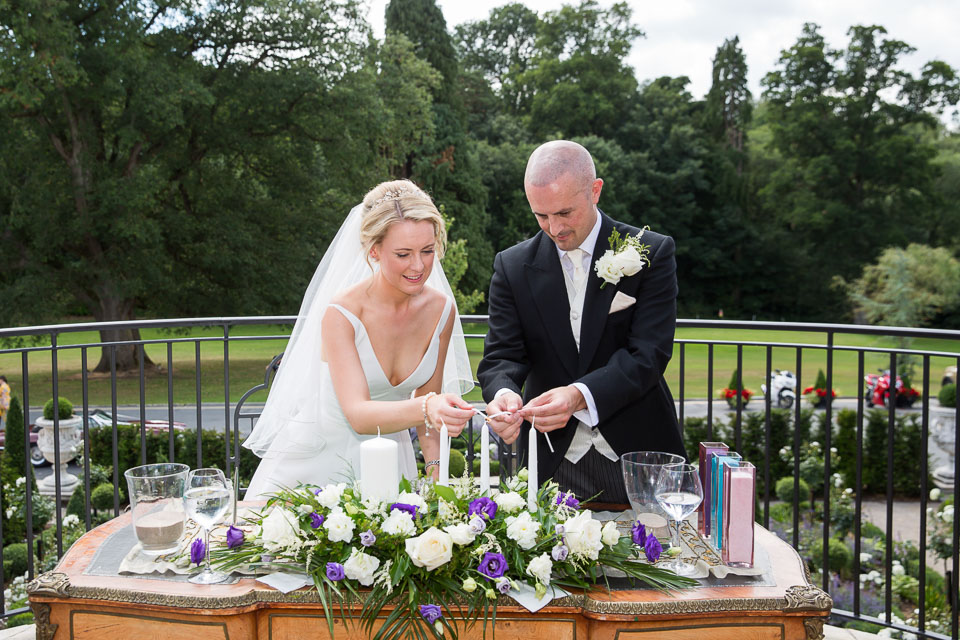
906	287
579	83
729	107
445	164
854	174
170	149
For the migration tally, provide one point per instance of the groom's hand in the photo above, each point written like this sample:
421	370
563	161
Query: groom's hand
554	408
508	425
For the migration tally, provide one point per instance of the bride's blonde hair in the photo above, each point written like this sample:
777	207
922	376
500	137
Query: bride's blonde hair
395	201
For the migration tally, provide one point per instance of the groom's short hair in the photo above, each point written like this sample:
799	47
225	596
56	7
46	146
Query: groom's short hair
552	160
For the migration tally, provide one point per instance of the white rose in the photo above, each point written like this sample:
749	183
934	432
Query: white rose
540	568
413	499
339	527
431	549
610	535
399	523
279	530
629	261
510	501
361	567
331	494
461	533
22	480
305	509
606	268
523	529
583	535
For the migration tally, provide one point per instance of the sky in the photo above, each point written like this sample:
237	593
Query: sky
682	36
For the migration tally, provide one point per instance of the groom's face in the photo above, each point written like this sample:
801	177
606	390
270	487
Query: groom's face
566	209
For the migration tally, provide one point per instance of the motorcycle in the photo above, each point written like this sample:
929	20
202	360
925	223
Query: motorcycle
878	390
783	388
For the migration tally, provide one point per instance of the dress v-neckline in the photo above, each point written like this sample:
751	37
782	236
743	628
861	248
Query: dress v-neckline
423	358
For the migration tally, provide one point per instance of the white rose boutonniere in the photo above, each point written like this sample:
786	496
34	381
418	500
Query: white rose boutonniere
625	257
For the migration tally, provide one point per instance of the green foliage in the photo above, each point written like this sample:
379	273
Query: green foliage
65	409
781	512
906	287
948	395
101	497
14	462
839	555
157	445
457	463
845	441
14	559
695	431
907	447
784	490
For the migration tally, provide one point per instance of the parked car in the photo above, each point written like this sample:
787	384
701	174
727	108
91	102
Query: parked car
949	376
96	418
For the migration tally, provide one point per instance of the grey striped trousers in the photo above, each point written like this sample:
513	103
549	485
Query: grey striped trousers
593	474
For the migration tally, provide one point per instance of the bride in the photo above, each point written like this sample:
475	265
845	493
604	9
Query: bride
376	343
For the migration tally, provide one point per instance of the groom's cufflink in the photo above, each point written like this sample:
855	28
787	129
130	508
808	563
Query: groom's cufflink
620	302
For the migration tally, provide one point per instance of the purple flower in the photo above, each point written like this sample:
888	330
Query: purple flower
335	571
560	529
639	534
503	585
234	537
408	508
477	525
367	538
559	552
568	499
317	492
484	507
431	612
198	551
316	520
652	548
493	565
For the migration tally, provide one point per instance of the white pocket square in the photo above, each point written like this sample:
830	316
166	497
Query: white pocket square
620	302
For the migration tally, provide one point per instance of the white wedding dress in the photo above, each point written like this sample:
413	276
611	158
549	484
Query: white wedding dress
332	444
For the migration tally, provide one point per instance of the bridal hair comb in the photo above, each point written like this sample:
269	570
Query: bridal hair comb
391	195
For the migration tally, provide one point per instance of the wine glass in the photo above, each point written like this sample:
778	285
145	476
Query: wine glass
679	493
206	501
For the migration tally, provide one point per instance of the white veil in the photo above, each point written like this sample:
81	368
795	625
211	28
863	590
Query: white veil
294	397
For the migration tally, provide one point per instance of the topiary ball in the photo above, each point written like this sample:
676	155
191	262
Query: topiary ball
457	463
101	498
784	489
66	409
948	395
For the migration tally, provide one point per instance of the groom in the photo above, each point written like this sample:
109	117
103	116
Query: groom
588	360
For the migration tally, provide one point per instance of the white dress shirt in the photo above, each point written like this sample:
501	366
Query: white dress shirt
587	436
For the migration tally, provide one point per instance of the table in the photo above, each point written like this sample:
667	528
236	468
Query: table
77	602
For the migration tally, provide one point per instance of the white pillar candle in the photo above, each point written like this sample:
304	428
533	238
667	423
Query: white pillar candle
484	458
379	468
532	484
444	456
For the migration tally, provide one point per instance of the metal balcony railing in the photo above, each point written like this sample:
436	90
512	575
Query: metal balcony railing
40	361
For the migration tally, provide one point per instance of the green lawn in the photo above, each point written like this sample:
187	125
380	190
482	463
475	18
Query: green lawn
249	358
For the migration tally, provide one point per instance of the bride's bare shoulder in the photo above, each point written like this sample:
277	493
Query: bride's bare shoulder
352	298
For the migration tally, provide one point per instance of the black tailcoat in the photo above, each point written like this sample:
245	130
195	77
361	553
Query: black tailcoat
530	346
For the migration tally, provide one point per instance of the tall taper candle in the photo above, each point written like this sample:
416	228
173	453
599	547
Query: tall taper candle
444	456
484	458
532	484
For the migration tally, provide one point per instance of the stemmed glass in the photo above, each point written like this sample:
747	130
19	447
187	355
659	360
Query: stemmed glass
207	500
679	493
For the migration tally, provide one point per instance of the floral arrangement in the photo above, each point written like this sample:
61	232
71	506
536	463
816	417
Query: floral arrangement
729	393
817	392
625	257
438	550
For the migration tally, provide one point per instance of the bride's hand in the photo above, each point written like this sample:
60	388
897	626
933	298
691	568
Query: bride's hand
451	410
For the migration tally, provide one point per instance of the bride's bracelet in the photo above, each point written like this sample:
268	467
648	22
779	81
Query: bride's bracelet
430	463
423	409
